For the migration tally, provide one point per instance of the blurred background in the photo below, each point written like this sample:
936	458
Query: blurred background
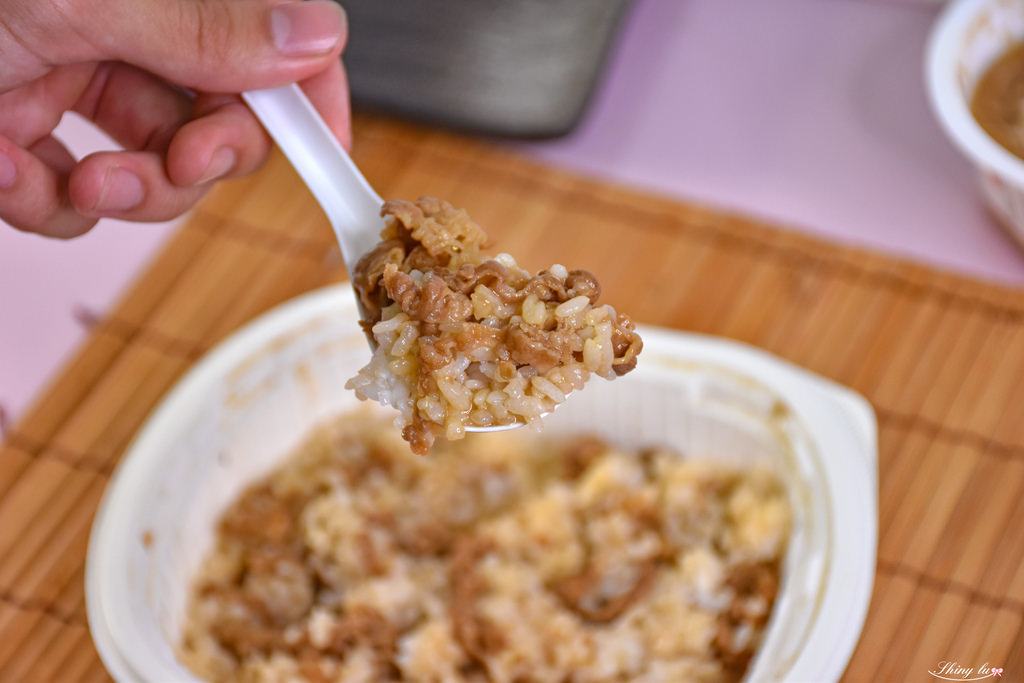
811	113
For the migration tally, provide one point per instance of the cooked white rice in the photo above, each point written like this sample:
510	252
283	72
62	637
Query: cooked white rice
501	558
463	342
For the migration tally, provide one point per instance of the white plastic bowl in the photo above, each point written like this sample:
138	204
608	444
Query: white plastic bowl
255	397
967	38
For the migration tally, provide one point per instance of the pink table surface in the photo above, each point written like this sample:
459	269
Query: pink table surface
810	112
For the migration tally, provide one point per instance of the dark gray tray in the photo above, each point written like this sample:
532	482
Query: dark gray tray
518	68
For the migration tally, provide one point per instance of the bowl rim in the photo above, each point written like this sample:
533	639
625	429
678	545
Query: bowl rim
818	403
950	106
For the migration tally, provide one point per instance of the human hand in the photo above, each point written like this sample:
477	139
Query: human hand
161	77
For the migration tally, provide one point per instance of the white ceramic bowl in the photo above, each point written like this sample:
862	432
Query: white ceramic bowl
967	38
254	398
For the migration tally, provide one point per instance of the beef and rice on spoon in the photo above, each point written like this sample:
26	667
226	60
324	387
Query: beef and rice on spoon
468	342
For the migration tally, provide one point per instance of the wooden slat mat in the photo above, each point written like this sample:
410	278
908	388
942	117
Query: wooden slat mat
940	357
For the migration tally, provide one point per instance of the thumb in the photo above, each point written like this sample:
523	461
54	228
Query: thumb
225	45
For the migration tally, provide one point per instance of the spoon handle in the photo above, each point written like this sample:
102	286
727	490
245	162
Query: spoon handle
351	205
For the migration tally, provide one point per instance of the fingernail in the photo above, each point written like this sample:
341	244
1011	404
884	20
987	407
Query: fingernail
122	190
223	160
305	29
8	171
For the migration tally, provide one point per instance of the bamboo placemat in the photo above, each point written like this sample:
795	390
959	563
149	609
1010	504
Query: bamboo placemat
940	357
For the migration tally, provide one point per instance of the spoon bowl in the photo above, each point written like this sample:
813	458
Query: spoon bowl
351	205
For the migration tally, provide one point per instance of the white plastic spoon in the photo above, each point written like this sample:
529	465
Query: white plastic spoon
351	205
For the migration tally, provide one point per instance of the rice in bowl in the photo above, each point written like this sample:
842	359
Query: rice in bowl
506	557
462	341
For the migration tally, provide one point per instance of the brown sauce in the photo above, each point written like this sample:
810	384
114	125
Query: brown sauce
998	101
